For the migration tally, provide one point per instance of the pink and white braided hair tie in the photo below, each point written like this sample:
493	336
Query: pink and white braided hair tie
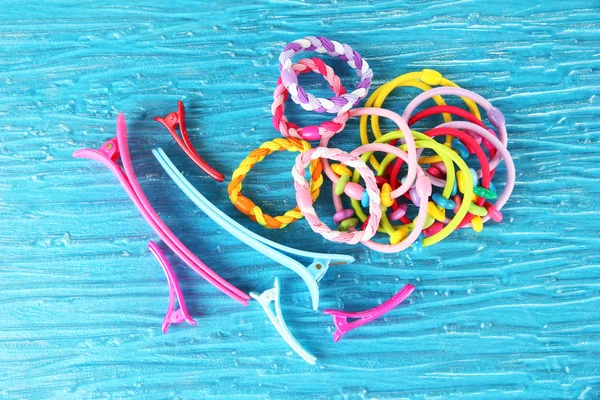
304	199
344	52
313	132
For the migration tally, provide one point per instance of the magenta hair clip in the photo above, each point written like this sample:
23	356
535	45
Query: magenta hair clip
109	154
173	316
171	122
340	318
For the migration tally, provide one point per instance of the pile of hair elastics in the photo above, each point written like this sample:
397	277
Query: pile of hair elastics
447	180
427	183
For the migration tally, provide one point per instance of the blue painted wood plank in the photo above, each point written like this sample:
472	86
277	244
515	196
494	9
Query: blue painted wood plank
511	312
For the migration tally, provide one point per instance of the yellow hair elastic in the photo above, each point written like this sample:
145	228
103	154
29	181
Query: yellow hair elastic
247	206
423	80
449	158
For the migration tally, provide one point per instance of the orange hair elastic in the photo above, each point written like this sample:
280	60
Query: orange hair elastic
247	206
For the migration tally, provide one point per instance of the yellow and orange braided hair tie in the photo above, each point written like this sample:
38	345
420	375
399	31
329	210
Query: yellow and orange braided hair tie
247	206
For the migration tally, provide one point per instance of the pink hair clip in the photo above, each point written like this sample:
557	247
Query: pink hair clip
108	154
340	318
173	316
178	118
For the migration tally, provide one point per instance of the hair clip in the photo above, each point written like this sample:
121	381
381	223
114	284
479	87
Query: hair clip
173	316
108	154
364	317
178	118
265	299
310	274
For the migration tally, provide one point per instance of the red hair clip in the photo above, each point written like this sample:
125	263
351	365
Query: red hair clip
178	118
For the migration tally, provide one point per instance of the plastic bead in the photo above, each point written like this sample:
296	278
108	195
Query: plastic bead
338	217
431	77
457	201
477	223
496	117
399	235
437	213
398	213
340	169
462	181
454	189
474	177
477	210
347	224
435	228
435	172
386	200
485	193
341	184
311	133
354	190
494	214
364	200
244	205
442	201
441	166
380	180
460	148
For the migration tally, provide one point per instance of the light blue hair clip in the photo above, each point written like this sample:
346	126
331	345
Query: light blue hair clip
310	274
265	299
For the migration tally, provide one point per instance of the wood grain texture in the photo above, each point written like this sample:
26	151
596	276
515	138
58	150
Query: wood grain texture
508	313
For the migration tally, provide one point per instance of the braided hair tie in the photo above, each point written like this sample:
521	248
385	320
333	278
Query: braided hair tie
345	53
247	206
305	202
280	95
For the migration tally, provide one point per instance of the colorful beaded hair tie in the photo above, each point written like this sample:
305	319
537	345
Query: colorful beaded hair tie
247	206
344	52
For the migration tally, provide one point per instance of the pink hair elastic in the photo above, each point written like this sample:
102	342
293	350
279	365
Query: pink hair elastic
108	154
304	199
171	121
495	116
411	150
344	52
326	129
503	154
340	318
423	190
173	316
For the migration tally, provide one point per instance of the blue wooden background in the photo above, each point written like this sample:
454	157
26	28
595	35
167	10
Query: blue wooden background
508	313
